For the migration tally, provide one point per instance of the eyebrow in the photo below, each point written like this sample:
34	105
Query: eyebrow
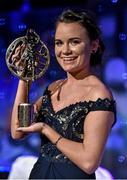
69	39
57	40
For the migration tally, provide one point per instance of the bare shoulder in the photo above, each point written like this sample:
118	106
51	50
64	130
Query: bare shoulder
53	86
100	90
38	103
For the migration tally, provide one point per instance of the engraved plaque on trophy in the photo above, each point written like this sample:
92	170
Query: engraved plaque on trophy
32	65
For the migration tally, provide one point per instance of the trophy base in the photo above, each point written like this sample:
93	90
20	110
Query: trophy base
25	114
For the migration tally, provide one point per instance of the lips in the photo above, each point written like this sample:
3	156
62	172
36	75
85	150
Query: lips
68	59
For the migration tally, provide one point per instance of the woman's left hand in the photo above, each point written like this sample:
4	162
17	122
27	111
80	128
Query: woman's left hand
34	127
43	128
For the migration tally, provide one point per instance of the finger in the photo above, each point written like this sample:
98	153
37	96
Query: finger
35	127
33	123
35	108
24	129
21	129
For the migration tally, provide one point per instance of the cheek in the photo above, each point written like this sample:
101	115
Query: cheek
57	52
87	51
81	49
84	55
57	55
81	52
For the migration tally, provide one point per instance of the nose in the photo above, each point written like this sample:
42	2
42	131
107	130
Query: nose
66	49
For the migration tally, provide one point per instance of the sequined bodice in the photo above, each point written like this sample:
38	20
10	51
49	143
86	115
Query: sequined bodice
68	121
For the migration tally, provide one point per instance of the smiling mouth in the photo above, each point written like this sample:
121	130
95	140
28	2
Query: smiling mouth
69	59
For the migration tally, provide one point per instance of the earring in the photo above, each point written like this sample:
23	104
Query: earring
93	51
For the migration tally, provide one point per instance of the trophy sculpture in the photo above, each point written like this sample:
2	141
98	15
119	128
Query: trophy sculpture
32	65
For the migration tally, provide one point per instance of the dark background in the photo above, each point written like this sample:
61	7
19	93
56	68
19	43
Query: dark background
15	18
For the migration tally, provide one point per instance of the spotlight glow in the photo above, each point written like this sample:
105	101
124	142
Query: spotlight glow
114	1
22	26
121	159
2	21
122	36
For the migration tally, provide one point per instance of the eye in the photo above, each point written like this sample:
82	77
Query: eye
58	43
75	42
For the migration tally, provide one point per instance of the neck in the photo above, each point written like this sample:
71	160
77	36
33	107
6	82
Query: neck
78	76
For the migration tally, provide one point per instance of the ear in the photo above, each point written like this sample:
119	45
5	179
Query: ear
94	46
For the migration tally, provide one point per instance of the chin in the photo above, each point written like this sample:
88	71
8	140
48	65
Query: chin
71	70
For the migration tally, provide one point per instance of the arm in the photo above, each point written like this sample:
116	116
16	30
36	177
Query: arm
86	155
97	125
21	96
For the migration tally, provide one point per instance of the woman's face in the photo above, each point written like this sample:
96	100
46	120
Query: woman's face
72	47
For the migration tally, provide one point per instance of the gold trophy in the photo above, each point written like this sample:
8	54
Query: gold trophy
32	65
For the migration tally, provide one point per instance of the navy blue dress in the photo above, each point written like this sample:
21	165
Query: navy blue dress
68	122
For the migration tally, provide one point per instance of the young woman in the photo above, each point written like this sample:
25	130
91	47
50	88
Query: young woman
75	114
